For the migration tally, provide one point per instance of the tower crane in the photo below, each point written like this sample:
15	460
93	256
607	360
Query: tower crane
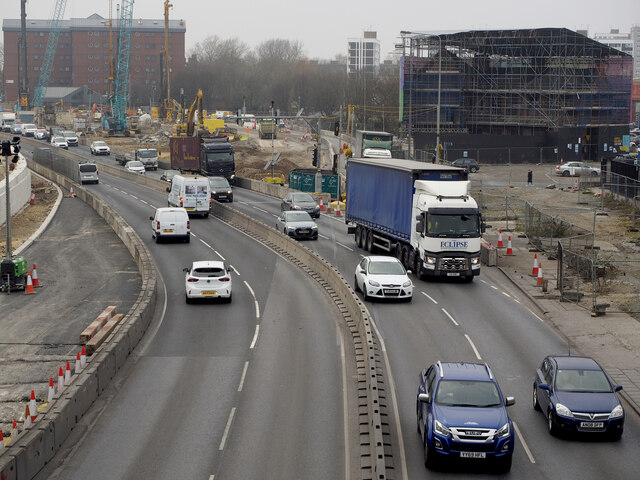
50	52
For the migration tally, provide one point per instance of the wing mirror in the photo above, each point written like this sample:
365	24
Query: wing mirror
424	398
186	270
509	401
544	386
419	224
617	388
168	189
150	218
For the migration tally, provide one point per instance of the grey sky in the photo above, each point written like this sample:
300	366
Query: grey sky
323	27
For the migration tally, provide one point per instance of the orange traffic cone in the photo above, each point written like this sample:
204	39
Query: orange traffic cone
534	272
509	249
321	204
32	200
78	365
500	243
83	357
1	440
29	289
27	418
71	194
60	380
14	430
33	408
52	390
67	375
539	281
34	277
338	208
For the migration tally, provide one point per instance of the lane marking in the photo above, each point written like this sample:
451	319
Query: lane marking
342	245
451	318
345	405
234	268
244	373
494	287
483	281
144	201
212	477
524	444
432	299
254	299
258	208
475	350
226	429
133	196
322	236
255	337
243	203
506	294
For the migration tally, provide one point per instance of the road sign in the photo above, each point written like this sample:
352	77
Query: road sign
464	154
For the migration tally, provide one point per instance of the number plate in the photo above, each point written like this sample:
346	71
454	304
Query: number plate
591	424
189	208
391	291
473	455
167	231
208	292
303	232
453	274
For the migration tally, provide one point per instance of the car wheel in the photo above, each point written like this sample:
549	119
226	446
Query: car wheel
536	405
504	463
357	236
429	456
565	173
228	300
405	257
356	287
360	237
468	279
157	238
365	297
187	299
594	174
188	239
551	424
473	169
408	299
614	437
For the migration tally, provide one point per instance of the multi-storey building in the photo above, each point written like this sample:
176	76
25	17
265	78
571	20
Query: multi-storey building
82	55
625	42
364	54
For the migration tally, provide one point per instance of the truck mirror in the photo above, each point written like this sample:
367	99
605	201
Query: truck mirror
483	226
168	190
419	224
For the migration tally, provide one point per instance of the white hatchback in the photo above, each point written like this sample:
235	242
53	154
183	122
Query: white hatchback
208	279
134	166
383	277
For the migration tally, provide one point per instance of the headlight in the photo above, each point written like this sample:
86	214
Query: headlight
441	429
315	227
617	412
430	260
296	207
406	284
213	192
374	283
475	260
564	411
504	431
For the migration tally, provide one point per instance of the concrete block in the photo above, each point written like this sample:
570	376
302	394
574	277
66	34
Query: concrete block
120	346
82	393
106	369
8	470
63	419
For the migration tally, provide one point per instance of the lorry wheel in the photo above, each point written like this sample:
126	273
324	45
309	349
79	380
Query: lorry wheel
398	251
370	247
468	279
358	236
405	257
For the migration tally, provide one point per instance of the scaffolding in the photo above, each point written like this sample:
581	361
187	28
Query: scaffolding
512	82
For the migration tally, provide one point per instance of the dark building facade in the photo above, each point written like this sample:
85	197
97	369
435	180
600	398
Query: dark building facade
516	95
82	55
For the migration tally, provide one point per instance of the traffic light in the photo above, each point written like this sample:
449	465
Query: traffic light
11	148
315	156
336	128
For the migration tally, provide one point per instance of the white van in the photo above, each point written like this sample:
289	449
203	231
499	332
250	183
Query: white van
192	192
170	222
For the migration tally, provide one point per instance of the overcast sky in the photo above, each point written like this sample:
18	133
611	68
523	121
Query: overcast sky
323	27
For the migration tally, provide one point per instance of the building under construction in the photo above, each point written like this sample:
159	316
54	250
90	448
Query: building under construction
515	95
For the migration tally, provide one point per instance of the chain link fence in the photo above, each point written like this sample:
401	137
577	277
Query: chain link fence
56	160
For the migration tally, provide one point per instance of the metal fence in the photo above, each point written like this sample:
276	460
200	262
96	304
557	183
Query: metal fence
56	160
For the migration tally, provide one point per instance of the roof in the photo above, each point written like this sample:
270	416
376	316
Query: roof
408	165
93	22
208	263
465	371
571	362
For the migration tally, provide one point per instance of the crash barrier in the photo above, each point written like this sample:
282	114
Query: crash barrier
20	188
36	445
488	254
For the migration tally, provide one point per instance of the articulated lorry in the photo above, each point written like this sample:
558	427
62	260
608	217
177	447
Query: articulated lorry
148	157
420	213
211	156
370	144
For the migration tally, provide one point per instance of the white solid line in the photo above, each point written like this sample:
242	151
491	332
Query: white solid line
255	337
218	253
226	429
326	238
254	299
506	294
524	444
244	373
258	208
451	318
342	245
212	477
433	300
475	350
345	406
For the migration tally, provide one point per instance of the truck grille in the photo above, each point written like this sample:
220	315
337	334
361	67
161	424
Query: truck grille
449	264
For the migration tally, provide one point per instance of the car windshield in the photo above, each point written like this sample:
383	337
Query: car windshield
386	268
582	381
452	225
99	144
147	153
60	140
302	197
28	126
218	182
135	163
204	272
467	393
297	217
69	134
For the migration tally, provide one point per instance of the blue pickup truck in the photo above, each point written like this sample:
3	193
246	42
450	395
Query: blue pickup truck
462	415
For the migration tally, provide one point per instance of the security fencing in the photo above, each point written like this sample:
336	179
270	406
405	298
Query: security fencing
58	161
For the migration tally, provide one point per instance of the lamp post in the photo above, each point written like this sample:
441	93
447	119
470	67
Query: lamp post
439	90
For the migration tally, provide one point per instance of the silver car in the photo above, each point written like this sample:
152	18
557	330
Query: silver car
297	225
60	142
576	169
134	166
300	201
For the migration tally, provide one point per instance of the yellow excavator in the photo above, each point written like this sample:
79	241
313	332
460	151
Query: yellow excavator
188	128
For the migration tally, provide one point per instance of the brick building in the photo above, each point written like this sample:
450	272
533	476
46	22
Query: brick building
83	52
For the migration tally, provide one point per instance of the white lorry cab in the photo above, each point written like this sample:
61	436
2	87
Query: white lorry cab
191	192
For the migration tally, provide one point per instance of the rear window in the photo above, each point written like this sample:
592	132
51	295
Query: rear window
88	168
208	272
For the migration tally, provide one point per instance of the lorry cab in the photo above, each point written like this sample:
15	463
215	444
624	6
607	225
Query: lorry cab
191	192
217	158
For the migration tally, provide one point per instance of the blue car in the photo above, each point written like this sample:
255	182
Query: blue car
576	395
461	414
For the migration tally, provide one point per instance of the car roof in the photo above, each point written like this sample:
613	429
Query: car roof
208	264
571	362
382	258
465	371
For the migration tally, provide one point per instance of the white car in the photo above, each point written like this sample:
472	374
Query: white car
72	138
208	279
41	134
60	142
28	130
134	166
99	148
576	169
383	277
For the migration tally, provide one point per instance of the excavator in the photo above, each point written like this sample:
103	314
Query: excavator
188	128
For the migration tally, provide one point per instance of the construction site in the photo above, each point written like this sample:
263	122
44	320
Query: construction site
515	95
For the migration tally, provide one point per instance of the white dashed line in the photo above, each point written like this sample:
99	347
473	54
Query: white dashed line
494	287
524	444
254	300
258	208
475	350
506	294
342	245
244	373
255	337
433	300
133	196
226	429
144	202
322	236
483	281
234	268
451	318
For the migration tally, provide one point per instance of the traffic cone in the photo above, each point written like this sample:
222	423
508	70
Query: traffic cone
534	272
78	366
338	208
83	357
509	249
321	204
500	243
33	408
1	440
29	288
14	430
71	194
32	200
539	281
67	375
60	380
34	277
27	418
52	390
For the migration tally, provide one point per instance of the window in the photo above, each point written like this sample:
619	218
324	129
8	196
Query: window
137	34
90	34
137	57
